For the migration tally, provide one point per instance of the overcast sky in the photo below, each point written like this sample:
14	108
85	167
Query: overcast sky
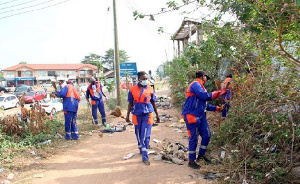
69	31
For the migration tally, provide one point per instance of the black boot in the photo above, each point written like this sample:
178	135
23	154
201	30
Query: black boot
200	157
193	164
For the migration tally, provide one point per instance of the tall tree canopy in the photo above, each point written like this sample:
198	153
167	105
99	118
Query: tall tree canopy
93	59
108	58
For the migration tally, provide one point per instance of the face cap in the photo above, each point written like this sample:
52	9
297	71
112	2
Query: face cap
201	73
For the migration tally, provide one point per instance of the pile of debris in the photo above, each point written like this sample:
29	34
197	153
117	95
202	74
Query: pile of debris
163	102
171	152
164	118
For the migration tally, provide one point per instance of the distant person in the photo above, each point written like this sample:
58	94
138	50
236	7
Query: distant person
94	91
194	115
24	114
151	83
71	99
141	103
226	97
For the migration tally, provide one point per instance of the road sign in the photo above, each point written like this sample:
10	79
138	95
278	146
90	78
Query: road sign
128	68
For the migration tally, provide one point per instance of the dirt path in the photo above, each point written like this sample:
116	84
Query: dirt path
99	160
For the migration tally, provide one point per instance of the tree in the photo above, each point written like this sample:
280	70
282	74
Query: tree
23	62
93	59
108	58
1	75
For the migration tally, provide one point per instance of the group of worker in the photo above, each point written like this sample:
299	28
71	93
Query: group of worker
141	103
71	99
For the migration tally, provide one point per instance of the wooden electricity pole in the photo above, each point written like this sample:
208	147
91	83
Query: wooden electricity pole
117	62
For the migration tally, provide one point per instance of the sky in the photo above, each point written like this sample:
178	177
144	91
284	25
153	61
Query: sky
67	32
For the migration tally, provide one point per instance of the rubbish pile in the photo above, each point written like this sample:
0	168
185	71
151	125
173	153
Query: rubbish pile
163	102
111	128
164	118
171	152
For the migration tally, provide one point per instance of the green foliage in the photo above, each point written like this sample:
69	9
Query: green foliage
263	125
108	58
1	75
112	102
263	43
110	86
93	59
27	139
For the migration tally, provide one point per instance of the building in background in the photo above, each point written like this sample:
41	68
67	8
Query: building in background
37	74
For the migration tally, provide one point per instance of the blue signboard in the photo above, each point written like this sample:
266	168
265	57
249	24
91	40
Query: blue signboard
24	78
128	68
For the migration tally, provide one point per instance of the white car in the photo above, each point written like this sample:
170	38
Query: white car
8	101
52	105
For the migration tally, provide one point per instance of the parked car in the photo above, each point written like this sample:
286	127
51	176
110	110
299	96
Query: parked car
52	105
8	101
5	89
46	85
34	96
20	90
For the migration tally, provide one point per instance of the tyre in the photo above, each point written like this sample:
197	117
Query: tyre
17	104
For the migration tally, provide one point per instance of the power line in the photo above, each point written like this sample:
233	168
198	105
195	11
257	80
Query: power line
34	9
8	2
17	4
27	6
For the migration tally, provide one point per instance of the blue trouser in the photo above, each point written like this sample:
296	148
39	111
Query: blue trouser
98	104
194	130
226	109
143	132
71	125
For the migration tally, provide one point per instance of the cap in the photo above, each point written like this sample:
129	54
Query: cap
200	73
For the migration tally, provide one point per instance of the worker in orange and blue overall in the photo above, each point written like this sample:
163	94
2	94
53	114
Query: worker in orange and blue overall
94	90
71	99
141	103
194	115
226	97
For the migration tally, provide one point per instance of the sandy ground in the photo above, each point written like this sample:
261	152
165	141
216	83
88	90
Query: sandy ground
100	160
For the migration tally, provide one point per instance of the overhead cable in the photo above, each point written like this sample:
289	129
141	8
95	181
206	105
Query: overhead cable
34	9
8	2
27	6
17	4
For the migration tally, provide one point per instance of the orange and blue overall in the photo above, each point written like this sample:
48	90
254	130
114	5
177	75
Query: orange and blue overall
142	115
226	98
194	116
95	92
71	98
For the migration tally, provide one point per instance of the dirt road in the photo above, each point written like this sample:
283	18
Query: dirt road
95	160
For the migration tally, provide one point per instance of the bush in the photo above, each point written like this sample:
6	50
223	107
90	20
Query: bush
112	102
263	125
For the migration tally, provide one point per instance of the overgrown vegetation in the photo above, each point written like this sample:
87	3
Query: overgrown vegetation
261	40
112	102
25	130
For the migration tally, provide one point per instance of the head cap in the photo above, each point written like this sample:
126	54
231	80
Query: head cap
201	73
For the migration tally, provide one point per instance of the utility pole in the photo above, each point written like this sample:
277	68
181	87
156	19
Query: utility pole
117	65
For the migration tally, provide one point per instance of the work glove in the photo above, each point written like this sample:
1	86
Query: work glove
217	94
